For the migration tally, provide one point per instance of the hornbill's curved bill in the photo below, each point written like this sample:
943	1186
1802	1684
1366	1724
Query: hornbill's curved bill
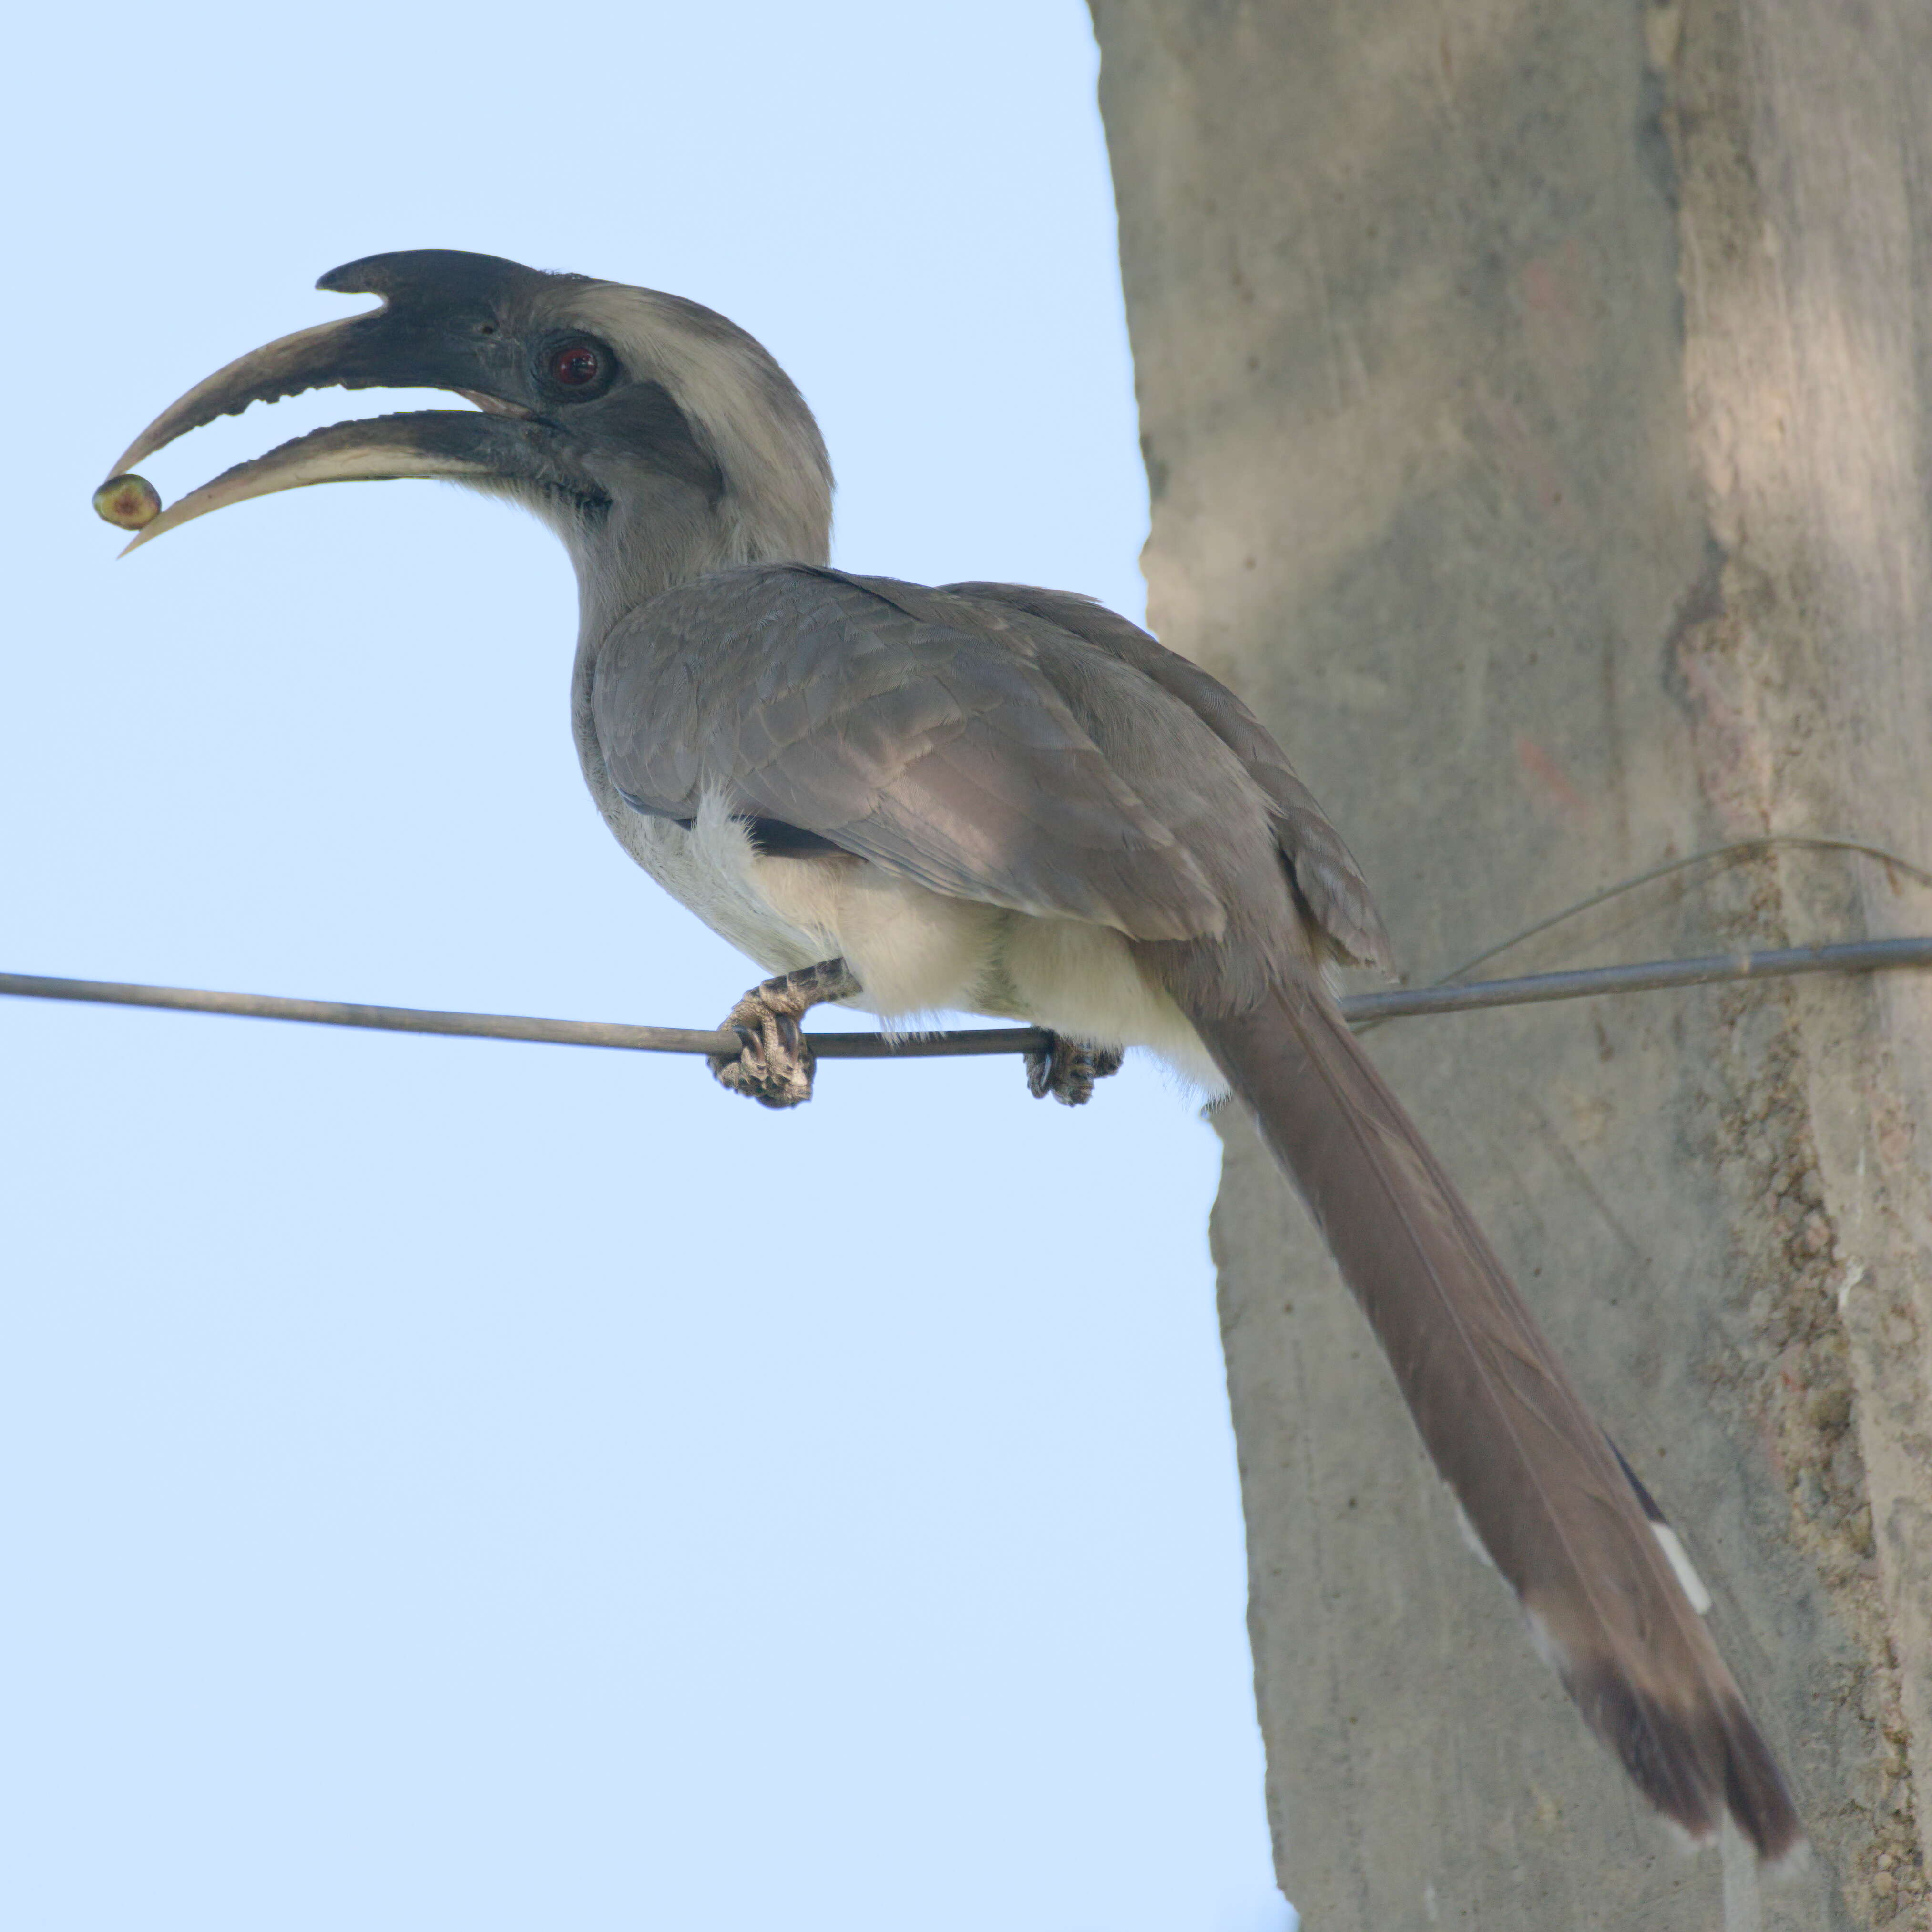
435	329
996	798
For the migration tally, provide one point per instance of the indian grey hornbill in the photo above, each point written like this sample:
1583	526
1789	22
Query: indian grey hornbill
1001	800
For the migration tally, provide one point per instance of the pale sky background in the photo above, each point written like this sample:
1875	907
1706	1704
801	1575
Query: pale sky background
459	1485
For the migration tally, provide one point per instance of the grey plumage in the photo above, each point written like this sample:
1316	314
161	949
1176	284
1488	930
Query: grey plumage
1334	895
915	729
1547	1493
996	798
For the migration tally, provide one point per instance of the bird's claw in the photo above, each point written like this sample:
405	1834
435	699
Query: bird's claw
1067	1069
774	1065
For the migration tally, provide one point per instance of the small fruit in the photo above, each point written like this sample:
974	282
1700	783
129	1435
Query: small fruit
128	502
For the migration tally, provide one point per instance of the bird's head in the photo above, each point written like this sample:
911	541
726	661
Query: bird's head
657	439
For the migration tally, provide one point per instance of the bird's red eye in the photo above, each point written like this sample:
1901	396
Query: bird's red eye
575	366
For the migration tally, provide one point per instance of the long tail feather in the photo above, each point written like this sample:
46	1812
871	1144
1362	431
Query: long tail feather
1541	1485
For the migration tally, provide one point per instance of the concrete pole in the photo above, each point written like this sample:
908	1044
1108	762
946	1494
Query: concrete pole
1537	406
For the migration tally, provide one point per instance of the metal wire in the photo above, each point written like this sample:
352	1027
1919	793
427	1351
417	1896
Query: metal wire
510	1026
1870	955
1863	955
1733	854
1717	856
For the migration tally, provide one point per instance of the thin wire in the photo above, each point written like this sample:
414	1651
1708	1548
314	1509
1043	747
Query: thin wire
1868	955
1732	854
1728	855
1859	956
513	1026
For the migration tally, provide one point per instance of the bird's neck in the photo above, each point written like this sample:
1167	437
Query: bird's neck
671	534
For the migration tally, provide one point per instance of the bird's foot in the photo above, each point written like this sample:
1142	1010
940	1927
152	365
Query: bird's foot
1067	1070
774	1065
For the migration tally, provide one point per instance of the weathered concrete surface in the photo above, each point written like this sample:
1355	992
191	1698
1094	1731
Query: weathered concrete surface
1537	402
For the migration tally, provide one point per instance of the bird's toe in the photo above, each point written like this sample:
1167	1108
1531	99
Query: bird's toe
1068	1069
774	1066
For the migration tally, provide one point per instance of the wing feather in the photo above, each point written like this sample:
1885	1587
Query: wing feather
1330	882
930	747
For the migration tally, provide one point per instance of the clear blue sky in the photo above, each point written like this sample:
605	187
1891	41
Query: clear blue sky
462	1485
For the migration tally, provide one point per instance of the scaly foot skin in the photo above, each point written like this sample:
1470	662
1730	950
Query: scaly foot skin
774	1066
1067	1070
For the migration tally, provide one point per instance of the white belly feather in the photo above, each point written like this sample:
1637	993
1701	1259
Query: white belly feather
915	951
